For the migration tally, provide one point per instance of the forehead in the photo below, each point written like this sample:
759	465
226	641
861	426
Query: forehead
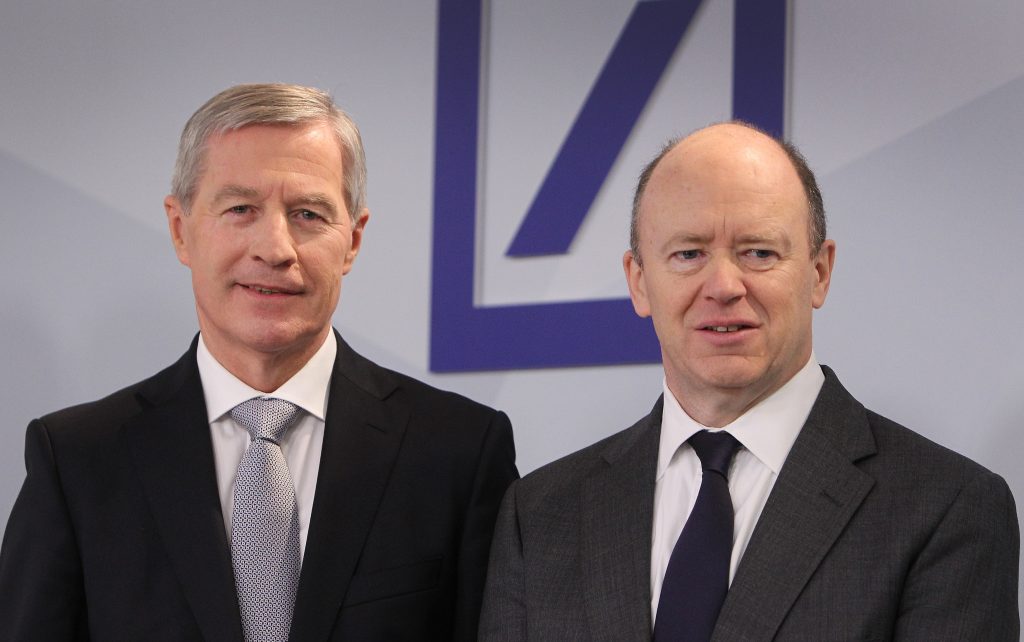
255	152
317	135
725	175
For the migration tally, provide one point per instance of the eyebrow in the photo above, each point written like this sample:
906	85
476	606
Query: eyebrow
317	200
772	236
236	191
769	237
689	238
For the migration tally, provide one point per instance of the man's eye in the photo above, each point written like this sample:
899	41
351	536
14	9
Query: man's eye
760	254
308	215
688	255
239	209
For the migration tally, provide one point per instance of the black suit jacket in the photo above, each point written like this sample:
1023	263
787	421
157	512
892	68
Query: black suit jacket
871	532
118	533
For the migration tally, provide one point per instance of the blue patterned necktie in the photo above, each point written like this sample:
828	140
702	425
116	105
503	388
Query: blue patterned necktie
265	523
697	577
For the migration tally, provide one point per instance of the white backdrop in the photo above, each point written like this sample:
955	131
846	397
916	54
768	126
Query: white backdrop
909	112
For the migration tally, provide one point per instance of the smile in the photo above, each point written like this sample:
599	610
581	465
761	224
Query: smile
724	328
263	290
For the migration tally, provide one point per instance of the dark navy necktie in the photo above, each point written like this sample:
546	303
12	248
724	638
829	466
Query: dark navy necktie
697	577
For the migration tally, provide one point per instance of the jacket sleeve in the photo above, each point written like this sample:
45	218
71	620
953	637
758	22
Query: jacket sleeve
963	583
496	469
42	595
504	609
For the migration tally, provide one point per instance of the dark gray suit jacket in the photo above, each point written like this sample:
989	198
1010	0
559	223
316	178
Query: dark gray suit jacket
118	533
871	532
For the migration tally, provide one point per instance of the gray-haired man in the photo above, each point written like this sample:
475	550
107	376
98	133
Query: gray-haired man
155	514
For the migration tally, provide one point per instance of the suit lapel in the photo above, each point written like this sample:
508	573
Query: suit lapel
364	428
170	446
617	507
817	492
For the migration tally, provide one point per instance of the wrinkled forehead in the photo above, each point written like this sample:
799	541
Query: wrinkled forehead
725	186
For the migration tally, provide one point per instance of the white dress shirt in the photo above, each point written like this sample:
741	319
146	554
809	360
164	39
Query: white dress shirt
302	443
766	433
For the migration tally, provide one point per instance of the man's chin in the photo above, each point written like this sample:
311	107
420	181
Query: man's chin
730	372
279	338
275	340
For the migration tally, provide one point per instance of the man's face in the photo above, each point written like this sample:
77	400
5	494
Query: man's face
727	272
268	240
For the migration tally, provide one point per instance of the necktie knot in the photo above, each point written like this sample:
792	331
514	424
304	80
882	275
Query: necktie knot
715	450
265	417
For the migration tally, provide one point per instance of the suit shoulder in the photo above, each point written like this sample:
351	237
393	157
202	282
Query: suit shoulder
420	392
565	474
106	413
896	440
573	466
444	406
449	430
382	382
439	421
892	453
109	410
925	463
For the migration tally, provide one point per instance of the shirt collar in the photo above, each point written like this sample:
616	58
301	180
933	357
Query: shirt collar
307	388
767	430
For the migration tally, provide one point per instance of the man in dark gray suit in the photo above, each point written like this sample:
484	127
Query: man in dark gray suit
845	525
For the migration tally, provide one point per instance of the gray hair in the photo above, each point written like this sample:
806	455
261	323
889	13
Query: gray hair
815	204
268	104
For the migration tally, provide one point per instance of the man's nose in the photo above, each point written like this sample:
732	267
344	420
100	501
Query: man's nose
272	241
724	280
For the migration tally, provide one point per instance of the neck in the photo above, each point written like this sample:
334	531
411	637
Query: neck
712	415
718	408
263	371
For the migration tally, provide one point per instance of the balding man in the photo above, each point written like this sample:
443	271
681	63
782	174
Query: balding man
272	484
758	500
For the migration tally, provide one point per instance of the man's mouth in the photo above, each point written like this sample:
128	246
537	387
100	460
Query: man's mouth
265	290
725	328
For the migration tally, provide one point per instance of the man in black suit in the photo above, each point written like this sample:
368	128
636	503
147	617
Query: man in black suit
123	526
837	524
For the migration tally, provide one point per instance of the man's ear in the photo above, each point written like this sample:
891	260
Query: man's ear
176	222
637	287
823	263
357	239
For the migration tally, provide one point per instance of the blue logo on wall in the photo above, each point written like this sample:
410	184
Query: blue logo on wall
465	336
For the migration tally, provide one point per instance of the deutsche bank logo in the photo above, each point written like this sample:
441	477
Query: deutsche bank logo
466	336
